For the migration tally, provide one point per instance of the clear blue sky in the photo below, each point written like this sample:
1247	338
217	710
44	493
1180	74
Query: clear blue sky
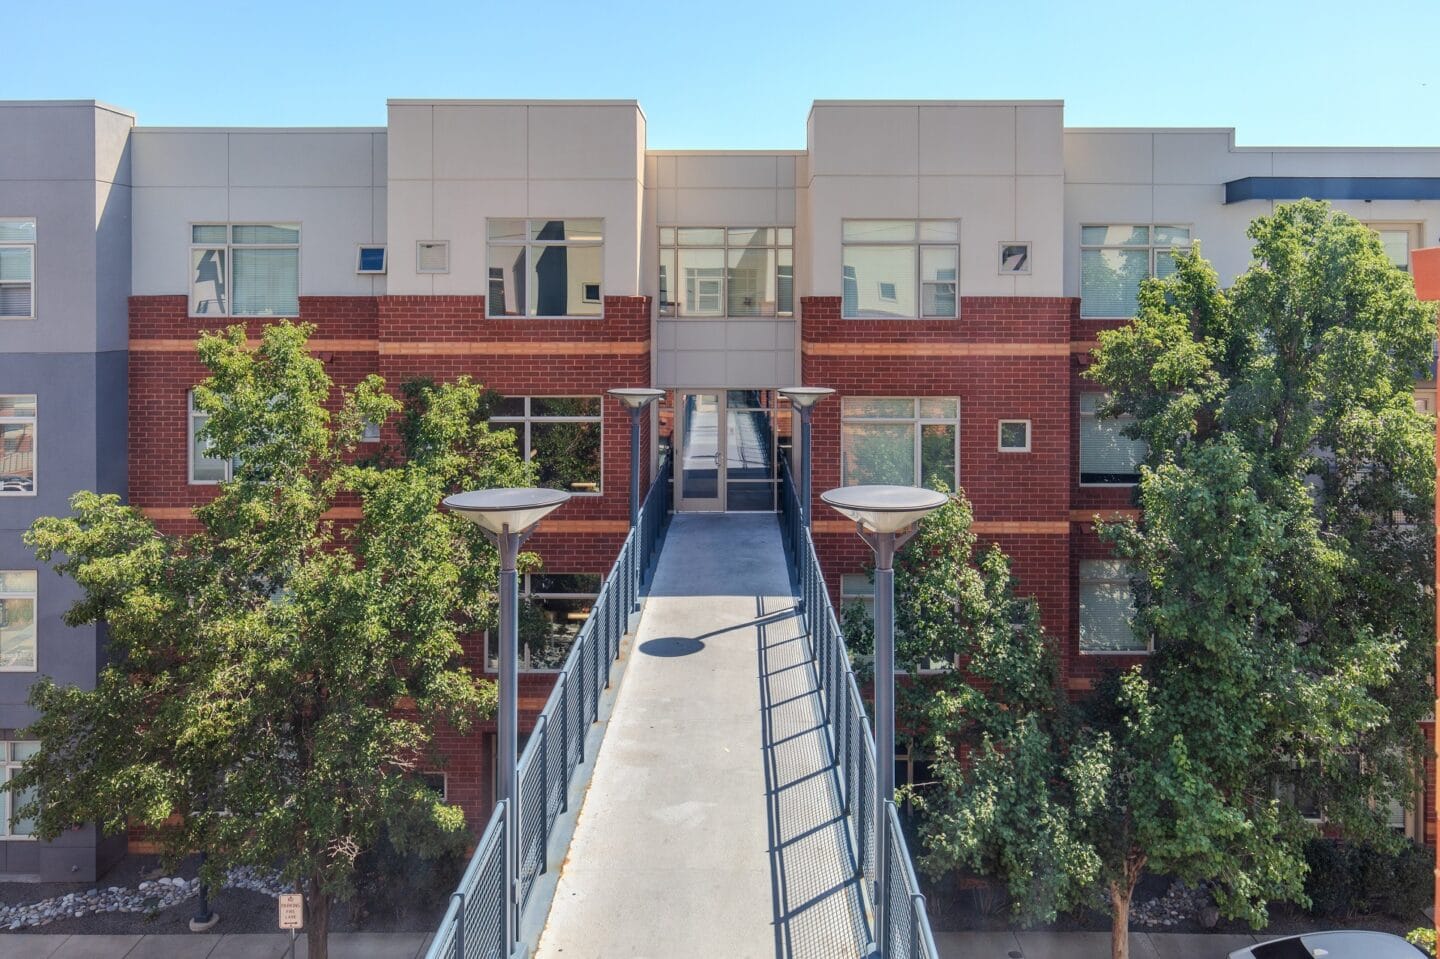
740	74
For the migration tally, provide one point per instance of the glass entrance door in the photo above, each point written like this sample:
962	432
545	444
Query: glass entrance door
727	444
701	477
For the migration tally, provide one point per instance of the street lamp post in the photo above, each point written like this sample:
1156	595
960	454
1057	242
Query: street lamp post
508	517
803	399
637	400
885	517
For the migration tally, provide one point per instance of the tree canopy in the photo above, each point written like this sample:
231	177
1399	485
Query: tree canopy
275	676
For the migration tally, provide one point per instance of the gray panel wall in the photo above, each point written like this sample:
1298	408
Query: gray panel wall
67	164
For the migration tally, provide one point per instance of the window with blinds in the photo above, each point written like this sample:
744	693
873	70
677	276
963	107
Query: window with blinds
1116	258
1107	608
17	268
1107	456
244	269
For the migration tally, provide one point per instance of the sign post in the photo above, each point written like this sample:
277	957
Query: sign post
292	915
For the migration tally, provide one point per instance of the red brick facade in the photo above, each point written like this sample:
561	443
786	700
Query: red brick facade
402	337
1003	358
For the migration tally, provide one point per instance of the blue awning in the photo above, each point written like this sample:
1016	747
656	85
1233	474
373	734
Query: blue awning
1333	188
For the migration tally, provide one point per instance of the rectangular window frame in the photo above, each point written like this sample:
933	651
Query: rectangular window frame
530	245
918	421
32	248
1414	235
1000	437
1120	577
1151	246
360	249
190	430
527	593
525	420
9	765
919	245
33	595
782	239
12	419
228	247
1115	422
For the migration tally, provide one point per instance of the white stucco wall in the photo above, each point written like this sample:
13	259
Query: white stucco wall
996	167
455	164
331	182
1178	177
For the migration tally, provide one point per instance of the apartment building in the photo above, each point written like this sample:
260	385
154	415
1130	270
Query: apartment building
945	266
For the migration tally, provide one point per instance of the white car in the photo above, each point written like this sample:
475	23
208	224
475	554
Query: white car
1340	944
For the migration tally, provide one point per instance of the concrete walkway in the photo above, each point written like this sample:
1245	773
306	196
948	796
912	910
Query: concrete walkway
343	945
711	826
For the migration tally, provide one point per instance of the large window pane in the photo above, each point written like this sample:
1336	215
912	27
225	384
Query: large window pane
17	458
17	620
702	282
16	300
264	234
1107	456
878	231
506	295
16	264
879	281
785	283
565	280
939	276
751	277
567	455
937	455
667	282
1107	608
878	453
749	448
877	407
208	290
1110	281
267	282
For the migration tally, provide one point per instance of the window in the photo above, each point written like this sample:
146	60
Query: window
1107	607
901	268
17	268
903	441
1115	259
1107	457
204	468
432	256
545	267
1398	239
12	755
371	433
17	620
439	783
244	269
860	588
734	271
17	444
370	259
554	608
561	434
1014	436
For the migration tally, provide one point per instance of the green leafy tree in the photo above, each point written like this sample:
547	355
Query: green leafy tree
1281	562
983	700
273	679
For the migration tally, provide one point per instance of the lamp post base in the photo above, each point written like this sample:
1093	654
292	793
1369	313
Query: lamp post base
197	925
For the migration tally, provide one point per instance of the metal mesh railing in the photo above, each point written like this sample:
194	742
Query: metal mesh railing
474	924
908	935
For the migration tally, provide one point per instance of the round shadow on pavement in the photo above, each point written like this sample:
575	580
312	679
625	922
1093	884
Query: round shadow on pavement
671	646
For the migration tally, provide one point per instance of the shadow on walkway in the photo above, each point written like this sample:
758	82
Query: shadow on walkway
817	895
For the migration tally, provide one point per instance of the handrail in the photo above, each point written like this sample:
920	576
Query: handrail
853	745
473	924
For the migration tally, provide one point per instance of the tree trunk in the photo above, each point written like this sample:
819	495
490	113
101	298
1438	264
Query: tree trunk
317	924
1120	920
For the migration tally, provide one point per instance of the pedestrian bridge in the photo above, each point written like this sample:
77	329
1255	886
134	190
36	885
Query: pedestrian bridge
711	793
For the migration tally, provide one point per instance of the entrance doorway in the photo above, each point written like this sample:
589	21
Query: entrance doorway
728	444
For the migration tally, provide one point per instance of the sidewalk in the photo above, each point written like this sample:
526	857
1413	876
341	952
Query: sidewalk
343	945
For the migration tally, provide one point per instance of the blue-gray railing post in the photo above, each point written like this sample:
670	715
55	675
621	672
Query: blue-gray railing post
459	925
542	729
